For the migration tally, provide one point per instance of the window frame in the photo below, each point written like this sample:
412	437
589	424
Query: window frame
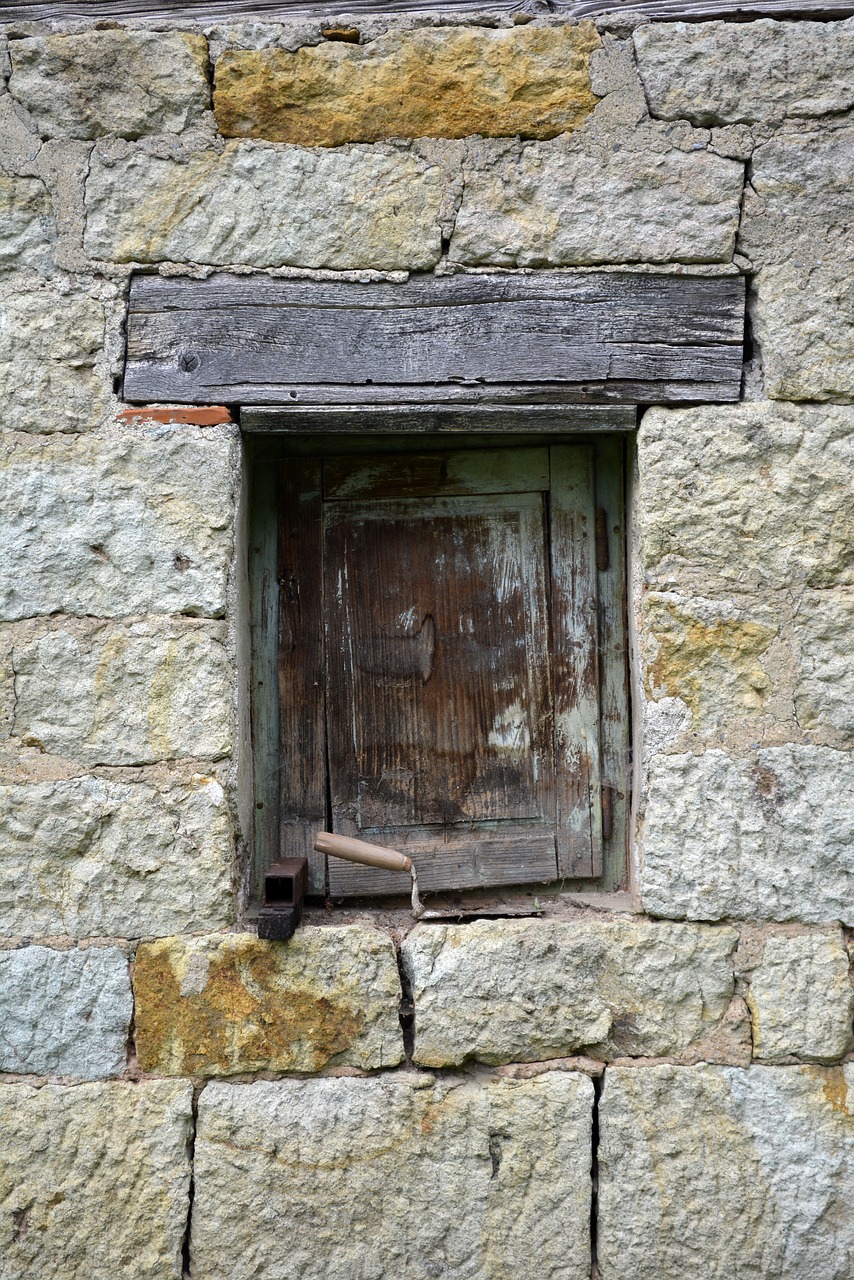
264	453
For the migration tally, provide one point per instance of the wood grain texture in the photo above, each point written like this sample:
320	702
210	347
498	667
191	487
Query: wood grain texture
509	854
575	661
437	635
428	420
450	472
302	728
182	11
262	340
263	689
614	724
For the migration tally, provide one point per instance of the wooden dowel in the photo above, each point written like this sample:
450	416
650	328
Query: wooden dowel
369	855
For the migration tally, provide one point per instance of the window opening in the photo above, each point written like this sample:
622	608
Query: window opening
439	659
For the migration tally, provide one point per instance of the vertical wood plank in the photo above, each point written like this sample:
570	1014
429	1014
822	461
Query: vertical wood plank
263	694
302	734
575	663
614	723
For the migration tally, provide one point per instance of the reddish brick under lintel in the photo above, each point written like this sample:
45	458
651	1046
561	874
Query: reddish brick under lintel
204	416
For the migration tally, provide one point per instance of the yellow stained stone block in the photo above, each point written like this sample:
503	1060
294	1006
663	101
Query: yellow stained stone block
438	83
229	1003
716	664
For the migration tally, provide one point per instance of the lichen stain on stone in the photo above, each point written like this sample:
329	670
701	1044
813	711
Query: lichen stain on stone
834	1086
112	653
110	664
244	1019
442	83
161	701
705	663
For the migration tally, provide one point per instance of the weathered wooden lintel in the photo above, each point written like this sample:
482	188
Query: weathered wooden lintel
506	339
363	420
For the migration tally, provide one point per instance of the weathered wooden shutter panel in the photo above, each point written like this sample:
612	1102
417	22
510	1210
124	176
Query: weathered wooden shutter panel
437	637
438	661
457	604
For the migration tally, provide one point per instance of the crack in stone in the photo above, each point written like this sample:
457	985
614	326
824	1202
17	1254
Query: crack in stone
598	1085
186	1241
406	1008
495	1153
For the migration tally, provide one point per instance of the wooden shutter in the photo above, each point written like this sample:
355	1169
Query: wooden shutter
439	672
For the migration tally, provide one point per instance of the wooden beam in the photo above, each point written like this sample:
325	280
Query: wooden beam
361	420
207	11
547	338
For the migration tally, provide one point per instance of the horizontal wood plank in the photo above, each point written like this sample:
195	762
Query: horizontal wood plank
675	308
421	475
510	857
428	396
182	11
423	419
263	340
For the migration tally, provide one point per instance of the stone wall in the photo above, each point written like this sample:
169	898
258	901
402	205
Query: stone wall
651	1085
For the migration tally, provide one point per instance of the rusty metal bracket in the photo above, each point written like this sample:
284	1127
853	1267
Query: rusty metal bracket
285	884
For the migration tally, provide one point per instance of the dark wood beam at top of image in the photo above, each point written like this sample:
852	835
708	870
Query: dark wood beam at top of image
204	11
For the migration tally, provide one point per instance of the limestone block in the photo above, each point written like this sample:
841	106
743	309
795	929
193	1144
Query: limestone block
444	82
594	198
292	33
227	1003
122	524
64	1013
800	186
507	990
50	341
726	1173
402	1176
90	856
803	322
769	837
94	1180
804	325
124	82
801	999
110	694
29	229
746	497
730	73
262	206
796	229
824	625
